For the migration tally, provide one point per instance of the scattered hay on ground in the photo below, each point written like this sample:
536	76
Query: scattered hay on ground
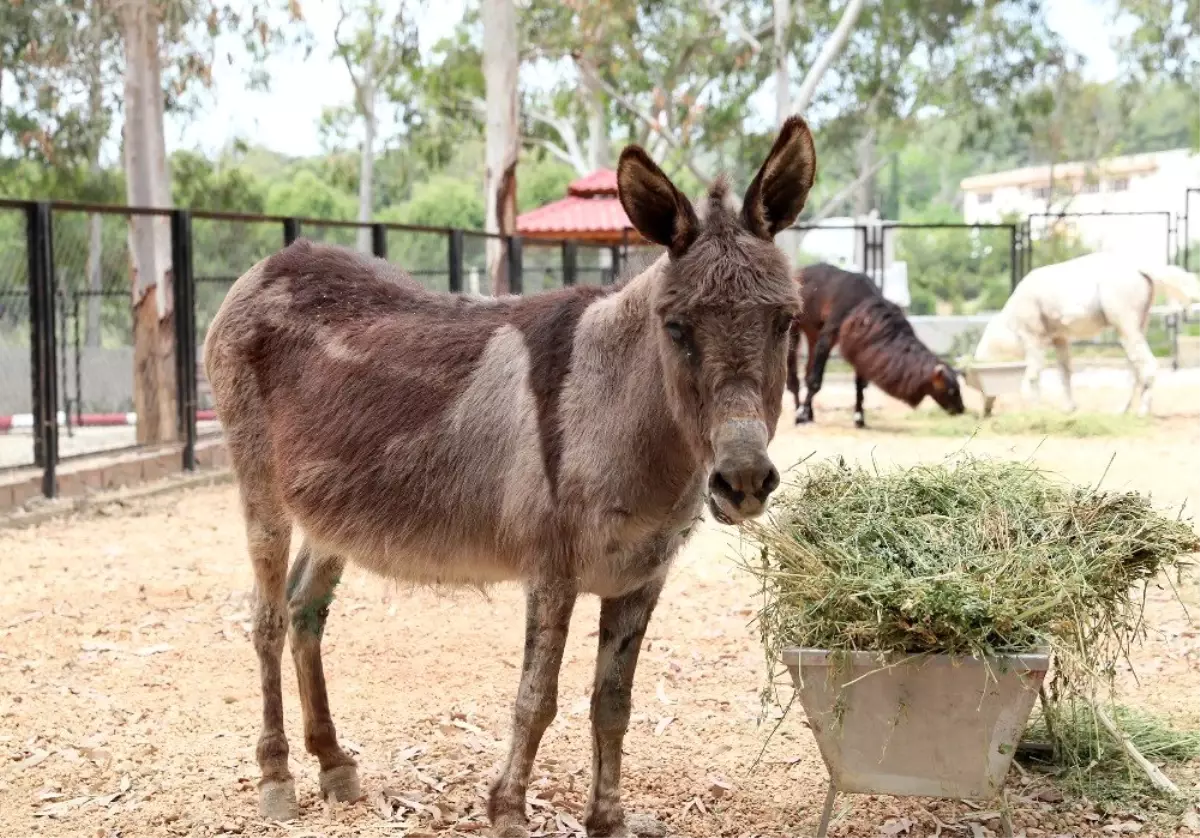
1086	761
1025	423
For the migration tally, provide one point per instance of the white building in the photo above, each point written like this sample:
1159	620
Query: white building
1153	182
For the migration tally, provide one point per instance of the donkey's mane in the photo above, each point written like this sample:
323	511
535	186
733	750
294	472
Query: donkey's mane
879	341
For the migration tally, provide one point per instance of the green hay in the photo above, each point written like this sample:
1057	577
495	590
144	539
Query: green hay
1088	763
1025	423
972	557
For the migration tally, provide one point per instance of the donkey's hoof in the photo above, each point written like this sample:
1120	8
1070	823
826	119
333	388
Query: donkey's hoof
803	418
277	800
341	783
645	826
860	421
510	826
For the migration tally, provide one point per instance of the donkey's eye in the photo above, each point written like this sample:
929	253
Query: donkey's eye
782	323
675	331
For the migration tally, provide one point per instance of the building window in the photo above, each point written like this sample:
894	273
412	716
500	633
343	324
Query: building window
984	198
1090	187
1042	193
1119	184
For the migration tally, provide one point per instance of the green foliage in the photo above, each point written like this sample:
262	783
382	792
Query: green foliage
304	194
198	184
441	201
955	271
542	181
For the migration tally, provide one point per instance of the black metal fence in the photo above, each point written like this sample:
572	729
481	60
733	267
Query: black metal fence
67	322
950	266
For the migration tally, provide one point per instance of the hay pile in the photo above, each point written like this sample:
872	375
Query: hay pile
972	557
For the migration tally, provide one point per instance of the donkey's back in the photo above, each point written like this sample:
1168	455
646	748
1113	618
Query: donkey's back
395	425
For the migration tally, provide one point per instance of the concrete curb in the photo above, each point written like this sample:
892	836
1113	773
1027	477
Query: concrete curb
93	502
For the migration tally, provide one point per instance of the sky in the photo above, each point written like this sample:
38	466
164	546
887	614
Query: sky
286	117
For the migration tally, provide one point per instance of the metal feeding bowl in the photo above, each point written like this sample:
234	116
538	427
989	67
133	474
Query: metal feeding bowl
920	725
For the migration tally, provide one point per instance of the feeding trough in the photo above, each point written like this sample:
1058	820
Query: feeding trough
922	725
943	591
999	378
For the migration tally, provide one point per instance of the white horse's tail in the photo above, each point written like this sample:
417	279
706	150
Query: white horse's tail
1176	283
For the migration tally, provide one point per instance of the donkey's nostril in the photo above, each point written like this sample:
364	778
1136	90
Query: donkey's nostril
770	483
720	485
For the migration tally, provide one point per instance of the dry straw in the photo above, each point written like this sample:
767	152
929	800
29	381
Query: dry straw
968	557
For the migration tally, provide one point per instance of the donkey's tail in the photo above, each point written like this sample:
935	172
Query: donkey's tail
1181	286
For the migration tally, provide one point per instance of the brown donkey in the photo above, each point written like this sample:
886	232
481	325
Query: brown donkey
845	309
567	440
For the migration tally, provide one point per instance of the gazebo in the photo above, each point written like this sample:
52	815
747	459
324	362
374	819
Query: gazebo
590	213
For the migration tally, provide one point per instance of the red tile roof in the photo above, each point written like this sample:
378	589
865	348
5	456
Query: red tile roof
573	215
599	182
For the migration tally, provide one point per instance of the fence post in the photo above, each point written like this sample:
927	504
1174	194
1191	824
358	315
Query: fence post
43	348
454	261
615	271
569	261
515	280
184	288
1012	255
291	230
379	241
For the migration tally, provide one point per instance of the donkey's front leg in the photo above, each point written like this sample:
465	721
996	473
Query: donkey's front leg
622	626
548	607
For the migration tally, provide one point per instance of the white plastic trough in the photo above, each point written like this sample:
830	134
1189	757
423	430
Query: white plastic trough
929	726
1000	378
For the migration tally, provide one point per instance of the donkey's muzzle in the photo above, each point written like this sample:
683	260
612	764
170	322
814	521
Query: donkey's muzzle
744	476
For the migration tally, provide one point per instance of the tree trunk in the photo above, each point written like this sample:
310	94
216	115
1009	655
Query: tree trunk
366	163
864	200
782	52
500	62
599	148
96	117
149	236
95	280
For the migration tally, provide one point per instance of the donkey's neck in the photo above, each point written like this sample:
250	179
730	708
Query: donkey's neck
630	445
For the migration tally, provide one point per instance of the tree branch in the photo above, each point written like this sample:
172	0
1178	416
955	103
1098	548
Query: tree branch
556	151
832	48
656	126
572	154
739	30
827	209
343	51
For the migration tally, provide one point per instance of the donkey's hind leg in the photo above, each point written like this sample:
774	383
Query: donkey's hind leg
310	592
818	355
860	416
269	531
793	371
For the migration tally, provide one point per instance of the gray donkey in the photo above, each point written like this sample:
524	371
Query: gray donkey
567	440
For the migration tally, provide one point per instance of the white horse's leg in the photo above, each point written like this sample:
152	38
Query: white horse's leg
1035	362
1062	353
1145	368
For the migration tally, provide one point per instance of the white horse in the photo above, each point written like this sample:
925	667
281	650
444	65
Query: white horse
1077	299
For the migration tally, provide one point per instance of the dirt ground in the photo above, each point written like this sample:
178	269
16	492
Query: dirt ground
129	698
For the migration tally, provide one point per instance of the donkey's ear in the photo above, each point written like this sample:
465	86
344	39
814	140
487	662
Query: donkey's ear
942	376
658	210
778	191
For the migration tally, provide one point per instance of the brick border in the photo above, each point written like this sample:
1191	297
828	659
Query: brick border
103	478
